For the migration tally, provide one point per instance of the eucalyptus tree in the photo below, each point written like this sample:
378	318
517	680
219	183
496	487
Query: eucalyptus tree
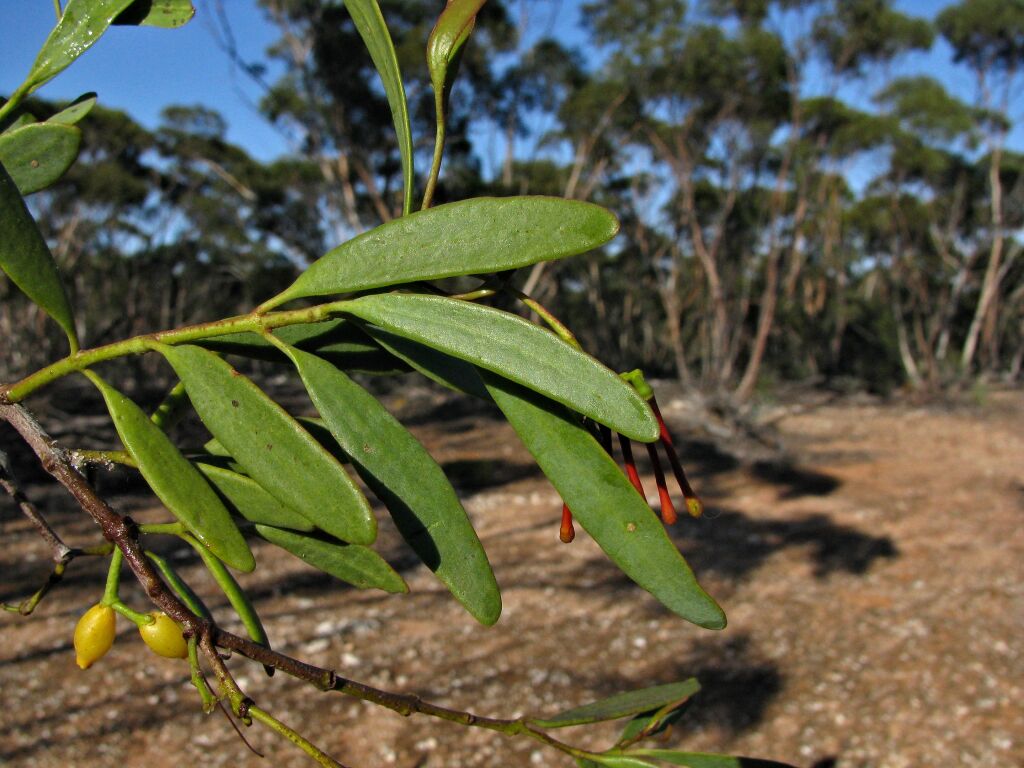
988	37
328	100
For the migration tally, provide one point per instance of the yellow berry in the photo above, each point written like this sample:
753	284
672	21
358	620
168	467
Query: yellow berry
163	636
94	634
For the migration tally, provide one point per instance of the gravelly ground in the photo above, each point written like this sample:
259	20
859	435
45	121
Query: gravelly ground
874	586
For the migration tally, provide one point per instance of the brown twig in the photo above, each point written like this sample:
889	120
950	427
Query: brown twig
209	637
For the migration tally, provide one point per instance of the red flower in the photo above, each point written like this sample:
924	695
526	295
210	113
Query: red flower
668	511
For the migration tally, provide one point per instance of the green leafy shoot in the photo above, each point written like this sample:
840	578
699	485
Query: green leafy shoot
444	45
481	235
623	705
372	28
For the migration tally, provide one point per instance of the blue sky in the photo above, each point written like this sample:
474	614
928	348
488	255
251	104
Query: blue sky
141	70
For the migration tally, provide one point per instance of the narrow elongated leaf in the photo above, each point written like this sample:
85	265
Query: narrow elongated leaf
705	760
75	111
516	349
157	13
406	478
180	587
236	596
480	235
651	723
372	28
248	498
271	446
604	502
82	23
357	565
624	761
623	705
27	260
447	371
37	155
175	481
582	762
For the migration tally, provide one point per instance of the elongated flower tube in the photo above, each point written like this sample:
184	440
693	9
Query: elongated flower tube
604	435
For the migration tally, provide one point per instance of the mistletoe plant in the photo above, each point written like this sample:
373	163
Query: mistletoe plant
368	304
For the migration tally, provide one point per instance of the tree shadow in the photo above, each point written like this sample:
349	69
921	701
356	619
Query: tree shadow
734	544
475	475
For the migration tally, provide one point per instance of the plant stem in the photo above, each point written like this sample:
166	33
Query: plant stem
295	738
15	100
435	164
137	345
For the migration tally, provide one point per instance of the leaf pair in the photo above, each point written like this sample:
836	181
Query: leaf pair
647	709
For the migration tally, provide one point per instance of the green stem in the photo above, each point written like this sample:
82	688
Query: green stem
165	529
295	738
56	7
113	578
15	100
553	322
238	599
435	164
137	345
198	678
83	456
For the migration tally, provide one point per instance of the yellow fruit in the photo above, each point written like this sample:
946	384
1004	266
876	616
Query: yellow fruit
164	637
94	634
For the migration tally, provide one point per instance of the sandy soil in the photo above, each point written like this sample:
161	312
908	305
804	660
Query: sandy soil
873	575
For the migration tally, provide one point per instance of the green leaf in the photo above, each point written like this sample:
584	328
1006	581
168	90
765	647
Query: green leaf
484	234
447	371
372	28
449	34
406	478
157	13
604	502
248	498
20	121
37	155
180	587
582	762
357	565
175	481
74	111
623	761
271	446
236	596
82	24
516	349
705	760
650	723
623	705
27	260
